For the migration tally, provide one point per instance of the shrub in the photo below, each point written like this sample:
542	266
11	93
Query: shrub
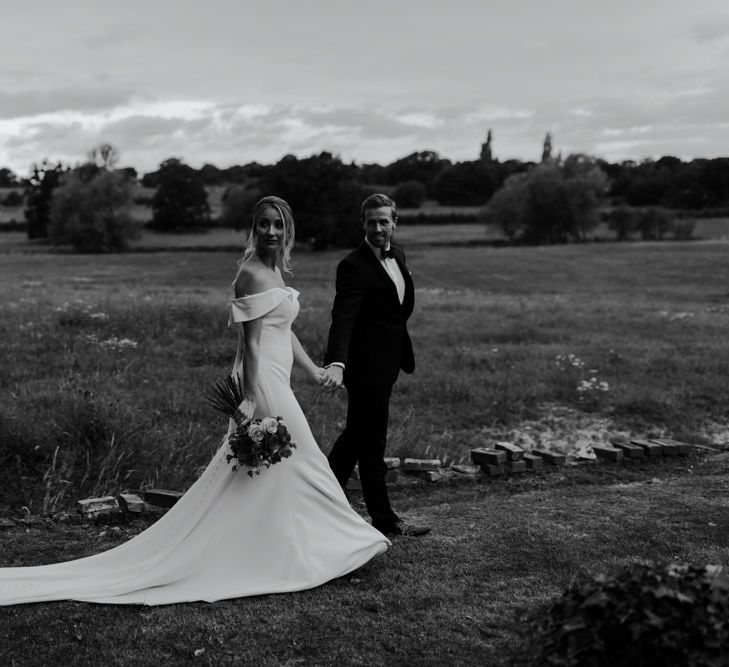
180	201
12	199
410	194
93	215
653	222
652	615
622	220
683	229
238	203
551	203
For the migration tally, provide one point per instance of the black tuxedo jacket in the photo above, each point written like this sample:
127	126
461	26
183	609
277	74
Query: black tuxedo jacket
368	333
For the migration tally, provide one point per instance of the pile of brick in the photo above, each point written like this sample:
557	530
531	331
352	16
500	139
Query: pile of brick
506	457
502	459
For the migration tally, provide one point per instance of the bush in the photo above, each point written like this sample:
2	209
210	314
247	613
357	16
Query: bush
683	229
551	203
622	220
12	199
653	222
180	201
652	615
410	194
93	215
238	203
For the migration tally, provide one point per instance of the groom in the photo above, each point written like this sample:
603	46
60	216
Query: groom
368	346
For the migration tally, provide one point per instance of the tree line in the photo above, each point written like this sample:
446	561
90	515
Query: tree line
554	200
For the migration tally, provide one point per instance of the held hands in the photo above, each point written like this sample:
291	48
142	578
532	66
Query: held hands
244	412
333	378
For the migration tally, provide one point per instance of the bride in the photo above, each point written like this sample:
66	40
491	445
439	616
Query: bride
288	529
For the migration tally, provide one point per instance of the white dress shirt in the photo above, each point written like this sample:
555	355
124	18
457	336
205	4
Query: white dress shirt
392	269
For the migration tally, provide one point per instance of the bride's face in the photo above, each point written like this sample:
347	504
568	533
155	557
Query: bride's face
270	231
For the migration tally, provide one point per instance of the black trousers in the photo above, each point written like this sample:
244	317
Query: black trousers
363	441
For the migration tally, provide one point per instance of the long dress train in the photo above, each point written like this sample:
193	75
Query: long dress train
230	535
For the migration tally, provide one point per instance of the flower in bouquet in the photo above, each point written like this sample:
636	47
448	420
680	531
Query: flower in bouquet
257	443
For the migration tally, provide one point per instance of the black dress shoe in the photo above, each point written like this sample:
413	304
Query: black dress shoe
403	528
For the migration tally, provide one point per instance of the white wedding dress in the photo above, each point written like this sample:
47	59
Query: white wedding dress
288	529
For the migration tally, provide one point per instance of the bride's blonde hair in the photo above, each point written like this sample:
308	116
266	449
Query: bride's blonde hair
287	216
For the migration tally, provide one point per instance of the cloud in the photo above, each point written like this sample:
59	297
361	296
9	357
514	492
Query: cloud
37	102
711	28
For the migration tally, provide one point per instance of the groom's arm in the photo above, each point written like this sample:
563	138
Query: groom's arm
347	303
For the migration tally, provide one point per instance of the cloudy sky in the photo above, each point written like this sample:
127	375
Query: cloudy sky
232	81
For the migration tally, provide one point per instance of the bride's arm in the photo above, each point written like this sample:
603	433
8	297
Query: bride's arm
249	344
304	360
252	332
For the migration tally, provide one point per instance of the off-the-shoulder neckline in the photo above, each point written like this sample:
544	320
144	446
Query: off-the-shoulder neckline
270	289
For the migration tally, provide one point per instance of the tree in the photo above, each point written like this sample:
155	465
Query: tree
466	183
410	194
325	195
551	203
104	156
8	179
238	203
622	220
181	201
547	148
486	152
39	191
423	166
92	214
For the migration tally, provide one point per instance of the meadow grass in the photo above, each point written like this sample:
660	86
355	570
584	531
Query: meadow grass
467	594
104	358
83	410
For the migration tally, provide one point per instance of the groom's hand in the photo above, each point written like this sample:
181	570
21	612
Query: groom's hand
333	377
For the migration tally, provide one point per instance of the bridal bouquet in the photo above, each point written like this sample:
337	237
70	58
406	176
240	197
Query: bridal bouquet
257	443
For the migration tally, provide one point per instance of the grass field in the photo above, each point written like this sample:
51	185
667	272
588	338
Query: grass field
103	361
104	358
464	595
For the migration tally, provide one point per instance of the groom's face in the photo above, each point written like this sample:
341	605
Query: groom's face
378	226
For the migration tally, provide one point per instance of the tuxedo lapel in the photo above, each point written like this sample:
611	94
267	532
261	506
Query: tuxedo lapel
370	258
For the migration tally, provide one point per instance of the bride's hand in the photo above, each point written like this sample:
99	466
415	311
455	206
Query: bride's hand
244	412
318	374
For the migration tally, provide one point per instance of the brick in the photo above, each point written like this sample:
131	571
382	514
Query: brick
430	475
553	458
630	451
392	462
683	447
131	502
513	452
618	439
463	469
162	497
516	466
92	507
493	470
669	448
609	453
533	462
651	449
420	464
491	457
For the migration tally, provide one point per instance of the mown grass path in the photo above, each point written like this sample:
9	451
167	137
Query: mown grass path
462	595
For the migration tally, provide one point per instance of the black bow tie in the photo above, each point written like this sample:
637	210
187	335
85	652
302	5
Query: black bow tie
384	254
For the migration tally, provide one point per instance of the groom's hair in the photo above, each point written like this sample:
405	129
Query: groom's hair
378	200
